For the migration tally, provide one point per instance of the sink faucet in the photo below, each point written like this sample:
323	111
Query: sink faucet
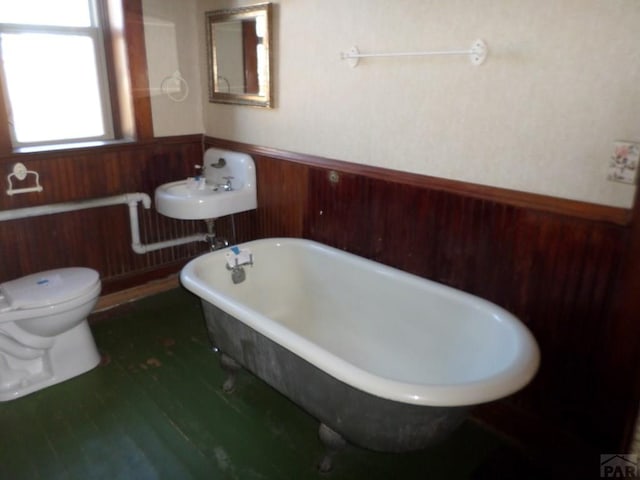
227	187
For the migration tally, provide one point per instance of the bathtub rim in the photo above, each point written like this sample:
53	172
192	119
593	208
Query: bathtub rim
497	385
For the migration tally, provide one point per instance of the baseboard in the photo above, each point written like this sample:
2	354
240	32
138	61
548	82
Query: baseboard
111	300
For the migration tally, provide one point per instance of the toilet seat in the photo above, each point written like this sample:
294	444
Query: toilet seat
51	287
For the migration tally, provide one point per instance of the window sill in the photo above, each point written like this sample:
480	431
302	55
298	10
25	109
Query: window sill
71	146
54	151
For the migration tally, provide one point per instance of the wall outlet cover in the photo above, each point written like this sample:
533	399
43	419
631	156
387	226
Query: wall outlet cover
624	163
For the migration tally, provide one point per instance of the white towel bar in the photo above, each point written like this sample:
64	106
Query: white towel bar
477	54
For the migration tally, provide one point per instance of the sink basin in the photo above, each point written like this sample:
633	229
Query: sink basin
178	200
227	186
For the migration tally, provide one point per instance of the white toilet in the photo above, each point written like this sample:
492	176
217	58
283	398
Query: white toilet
44	335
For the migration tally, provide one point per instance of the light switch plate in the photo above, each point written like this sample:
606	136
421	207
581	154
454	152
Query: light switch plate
624	163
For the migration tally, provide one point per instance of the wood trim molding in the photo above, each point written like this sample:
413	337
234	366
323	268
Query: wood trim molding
5	135
136	52
115	299
115	146
543	203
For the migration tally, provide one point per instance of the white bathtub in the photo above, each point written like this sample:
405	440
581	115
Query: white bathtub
378	330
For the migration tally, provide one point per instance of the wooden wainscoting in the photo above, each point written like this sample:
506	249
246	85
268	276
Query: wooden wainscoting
565	268
99	238
554	263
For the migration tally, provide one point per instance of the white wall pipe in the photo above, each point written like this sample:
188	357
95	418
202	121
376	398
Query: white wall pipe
138	247
72	206
130	199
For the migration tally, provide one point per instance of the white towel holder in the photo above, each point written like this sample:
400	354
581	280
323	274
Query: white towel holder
477	54
175	87
20	172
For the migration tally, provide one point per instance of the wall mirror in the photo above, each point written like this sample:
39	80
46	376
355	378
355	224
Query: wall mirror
239	55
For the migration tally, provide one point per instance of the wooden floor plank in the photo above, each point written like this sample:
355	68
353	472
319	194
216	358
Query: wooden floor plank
189	409
15	455
158	449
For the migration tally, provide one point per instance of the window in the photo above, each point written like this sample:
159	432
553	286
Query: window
55	72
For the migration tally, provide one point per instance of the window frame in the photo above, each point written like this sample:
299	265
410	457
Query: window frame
122	30
94	33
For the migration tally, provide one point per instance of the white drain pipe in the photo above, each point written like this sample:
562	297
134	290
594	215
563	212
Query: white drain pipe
130	199
135	230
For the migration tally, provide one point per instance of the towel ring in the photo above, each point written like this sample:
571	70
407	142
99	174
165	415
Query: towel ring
168	88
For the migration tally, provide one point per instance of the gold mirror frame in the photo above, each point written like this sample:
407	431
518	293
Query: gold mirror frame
255	88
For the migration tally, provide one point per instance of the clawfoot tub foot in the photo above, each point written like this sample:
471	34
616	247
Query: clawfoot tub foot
232	368
333	443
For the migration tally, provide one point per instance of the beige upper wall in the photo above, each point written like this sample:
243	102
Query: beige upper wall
559	87
171	38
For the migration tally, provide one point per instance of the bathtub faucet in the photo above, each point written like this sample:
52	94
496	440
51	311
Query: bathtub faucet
238	275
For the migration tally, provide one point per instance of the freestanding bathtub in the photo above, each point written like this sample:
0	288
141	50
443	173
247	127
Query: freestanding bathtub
384	359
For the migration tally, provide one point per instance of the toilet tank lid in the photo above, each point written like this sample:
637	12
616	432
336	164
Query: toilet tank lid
49	287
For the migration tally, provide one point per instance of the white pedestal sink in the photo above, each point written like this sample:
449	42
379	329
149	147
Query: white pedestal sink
227	185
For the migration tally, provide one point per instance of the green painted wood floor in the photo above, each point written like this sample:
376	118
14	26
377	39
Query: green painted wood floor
155	409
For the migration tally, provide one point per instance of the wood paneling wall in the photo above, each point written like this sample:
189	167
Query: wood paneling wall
554	263
99	238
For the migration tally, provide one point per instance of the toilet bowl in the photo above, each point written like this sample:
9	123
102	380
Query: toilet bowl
44	335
